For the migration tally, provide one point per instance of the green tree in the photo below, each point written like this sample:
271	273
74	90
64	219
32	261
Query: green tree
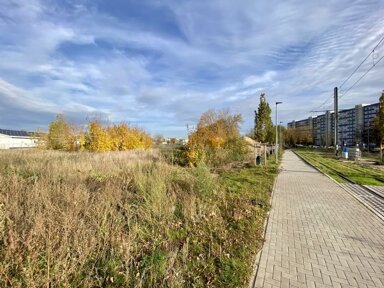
263	122
379	125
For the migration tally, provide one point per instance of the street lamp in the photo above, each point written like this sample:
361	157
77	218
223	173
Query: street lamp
276	152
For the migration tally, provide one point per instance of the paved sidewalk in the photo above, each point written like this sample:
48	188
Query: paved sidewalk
318	235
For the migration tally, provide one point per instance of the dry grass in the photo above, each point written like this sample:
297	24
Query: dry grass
123	219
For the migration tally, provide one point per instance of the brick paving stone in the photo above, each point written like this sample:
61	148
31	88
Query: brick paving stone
318	235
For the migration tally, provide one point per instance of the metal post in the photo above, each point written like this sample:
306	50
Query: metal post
276	135
369	128
336	115
276	149
265	154
254	128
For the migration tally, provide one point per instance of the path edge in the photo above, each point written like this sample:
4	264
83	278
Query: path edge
344	188
255	268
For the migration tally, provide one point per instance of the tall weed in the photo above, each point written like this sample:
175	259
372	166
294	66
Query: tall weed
123	219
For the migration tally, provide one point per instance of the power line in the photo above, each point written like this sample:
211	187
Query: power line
354	71
362	62
362	76
325	102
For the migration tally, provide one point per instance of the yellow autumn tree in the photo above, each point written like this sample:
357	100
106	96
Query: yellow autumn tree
60	135
123	137
98	138
81	140
119	137
118	133
217	139
138	139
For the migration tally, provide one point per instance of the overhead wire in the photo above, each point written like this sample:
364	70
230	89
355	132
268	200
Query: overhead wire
361	63
325	102
362	76
353	73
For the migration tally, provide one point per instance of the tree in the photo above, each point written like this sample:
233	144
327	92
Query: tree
263	122
304	135
282	134
119	137
60	135
217	139
379	125
135	138
98	140
291	136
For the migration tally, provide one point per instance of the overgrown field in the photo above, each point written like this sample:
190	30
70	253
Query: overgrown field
326	162
127	219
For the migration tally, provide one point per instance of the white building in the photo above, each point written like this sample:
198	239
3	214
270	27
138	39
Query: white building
11	139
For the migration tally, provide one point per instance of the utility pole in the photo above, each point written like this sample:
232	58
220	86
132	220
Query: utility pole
336	115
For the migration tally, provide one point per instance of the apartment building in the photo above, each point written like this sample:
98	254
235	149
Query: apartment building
355	126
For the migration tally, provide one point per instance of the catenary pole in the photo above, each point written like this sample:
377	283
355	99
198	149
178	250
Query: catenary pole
336	115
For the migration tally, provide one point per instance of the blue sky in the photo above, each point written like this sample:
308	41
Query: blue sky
161	64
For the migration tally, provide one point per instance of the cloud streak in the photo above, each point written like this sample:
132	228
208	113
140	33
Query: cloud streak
160	64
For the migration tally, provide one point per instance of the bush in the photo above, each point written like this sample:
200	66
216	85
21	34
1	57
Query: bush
217	140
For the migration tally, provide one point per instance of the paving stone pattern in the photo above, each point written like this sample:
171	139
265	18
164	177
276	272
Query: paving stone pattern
373	201
318	235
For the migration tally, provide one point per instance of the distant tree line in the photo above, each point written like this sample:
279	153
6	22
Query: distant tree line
299	135
96	137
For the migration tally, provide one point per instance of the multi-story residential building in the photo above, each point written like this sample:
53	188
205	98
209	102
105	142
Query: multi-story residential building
320	136
369	114
355	126
347	127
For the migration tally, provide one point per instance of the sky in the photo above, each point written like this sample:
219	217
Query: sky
160	64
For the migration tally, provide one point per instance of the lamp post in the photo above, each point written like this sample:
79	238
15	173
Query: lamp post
276	151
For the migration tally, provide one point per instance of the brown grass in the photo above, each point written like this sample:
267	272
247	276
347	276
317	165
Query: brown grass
123	219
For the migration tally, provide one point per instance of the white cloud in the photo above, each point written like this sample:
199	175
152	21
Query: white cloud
228	53
267	77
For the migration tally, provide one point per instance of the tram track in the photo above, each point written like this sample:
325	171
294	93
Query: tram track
363	170
371	196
